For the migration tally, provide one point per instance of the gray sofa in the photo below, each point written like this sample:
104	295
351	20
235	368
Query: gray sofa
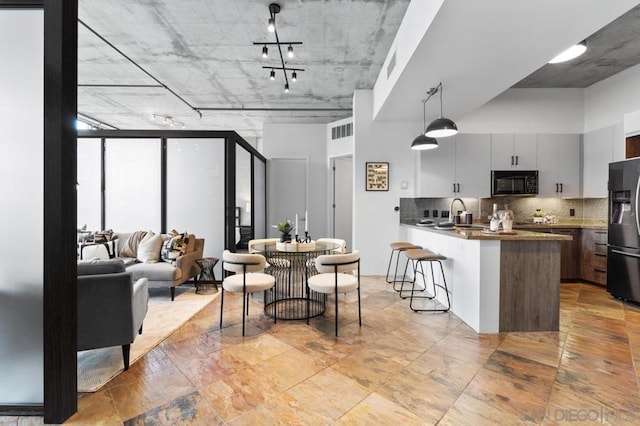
111	306
164	274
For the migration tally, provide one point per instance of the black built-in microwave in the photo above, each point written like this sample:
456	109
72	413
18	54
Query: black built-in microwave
514	182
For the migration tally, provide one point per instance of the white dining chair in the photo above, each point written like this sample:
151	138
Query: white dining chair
341	249
249	278
338	273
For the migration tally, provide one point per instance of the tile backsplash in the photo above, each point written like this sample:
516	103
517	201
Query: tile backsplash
591	209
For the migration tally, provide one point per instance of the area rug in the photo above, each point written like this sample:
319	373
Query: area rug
97	366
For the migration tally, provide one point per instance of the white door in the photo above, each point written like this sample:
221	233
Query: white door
342	199
287	183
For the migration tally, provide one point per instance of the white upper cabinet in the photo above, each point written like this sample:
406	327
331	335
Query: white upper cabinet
559	165
502	152
438	169
459	167
598	153
509	151
473	165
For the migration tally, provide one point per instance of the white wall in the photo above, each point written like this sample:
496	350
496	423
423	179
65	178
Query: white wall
339	147
375	222
293	140
528	111
606	102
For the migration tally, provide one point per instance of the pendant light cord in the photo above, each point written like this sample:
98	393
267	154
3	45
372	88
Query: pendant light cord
440	90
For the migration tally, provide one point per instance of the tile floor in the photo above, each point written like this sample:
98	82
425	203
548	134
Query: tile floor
399	368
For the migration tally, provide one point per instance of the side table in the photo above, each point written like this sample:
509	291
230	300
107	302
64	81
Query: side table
207	275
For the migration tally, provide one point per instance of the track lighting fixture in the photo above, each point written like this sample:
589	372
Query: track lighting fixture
440	127
274	9
165	119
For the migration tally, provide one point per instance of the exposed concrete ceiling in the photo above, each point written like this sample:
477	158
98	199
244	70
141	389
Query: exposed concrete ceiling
610	50
203	51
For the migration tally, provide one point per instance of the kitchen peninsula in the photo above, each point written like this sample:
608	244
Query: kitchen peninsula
498	282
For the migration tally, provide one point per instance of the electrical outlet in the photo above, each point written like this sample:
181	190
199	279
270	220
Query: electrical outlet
435	213
425	213
572	212
444	213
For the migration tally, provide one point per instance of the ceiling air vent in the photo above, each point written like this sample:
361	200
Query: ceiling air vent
391	65
341	131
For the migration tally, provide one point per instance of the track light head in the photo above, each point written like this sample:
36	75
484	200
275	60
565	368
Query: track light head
290	51
294	76
272	75
286	88
265	51
271	25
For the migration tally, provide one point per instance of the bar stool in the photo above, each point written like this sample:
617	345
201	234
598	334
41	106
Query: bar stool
418	256
397	248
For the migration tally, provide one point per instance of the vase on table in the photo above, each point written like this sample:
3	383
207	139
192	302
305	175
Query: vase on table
285	237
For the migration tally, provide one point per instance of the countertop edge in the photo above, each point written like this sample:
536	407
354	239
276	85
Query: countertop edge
475	234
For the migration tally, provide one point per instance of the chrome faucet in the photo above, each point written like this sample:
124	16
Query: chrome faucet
464	208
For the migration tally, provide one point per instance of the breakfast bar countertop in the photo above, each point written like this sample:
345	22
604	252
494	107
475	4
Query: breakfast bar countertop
479	232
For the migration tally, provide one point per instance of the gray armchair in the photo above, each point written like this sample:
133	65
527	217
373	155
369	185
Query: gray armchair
111	308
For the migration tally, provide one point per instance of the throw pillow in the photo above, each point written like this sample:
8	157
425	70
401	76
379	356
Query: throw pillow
149	248
130	248
102	251
103	236
174	247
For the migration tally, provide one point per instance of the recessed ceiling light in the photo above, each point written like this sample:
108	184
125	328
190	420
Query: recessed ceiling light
571	53
338	69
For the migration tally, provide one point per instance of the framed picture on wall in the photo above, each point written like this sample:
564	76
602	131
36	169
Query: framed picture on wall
377	177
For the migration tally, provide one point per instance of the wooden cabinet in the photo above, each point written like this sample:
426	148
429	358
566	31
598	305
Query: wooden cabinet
558	165
569	251
509	151
459	167
594	256
570	254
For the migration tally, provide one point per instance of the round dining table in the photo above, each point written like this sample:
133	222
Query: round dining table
291	266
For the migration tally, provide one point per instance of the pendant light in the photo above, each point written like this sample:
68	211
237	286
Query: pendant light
440	127
422	142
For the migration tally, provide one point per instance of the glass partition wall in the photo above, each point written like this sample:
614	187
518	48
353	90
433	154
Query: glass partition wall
165	180
21	273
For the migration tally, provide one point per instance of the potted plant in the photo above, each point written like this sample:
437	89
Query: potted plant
285	228
538	216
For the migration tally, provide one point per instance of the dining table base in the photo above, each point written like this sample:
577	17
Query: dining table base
294	308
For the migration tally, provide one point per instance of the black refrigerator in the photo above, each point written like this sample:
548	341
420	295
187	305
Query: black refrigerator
623	248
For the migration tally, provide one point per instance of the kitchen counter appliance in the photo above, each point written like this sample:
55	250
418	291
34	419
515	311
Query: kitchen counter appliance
623	248
514	182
